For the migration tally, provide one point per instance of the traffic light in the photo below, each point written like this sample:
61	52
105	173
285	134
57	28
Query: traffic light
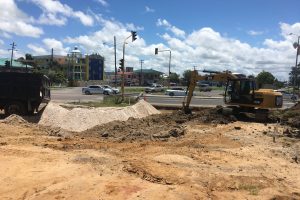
133	34
7	63
156	51
121	64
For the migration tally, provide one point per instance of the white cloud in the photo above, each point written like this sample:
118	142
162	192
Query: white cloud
103	3
176	31
149	10
85	19
254	33
52	19
205	48
286	29
55	13
14	21
48	44
56	45
133	27
37	49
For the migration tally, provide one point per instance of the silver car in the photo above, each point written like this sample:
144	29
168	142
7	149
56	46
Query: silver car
176	92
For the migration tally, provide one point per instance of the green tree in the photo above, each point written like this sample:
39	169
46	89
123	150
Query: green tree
187	77
294	74
278	84
174	78
265	78
28	56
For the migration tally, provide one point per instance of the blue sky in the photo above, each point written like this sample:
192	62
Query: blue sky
245	36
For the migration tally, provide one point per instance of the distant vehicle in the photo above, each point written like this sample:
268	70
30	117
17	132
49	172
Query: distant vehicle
98	89
173	84
176	91
154	88
22	93
205	88
115	90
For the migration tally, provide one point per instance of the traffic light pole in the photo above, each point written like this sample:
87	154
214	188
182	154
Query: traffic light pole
156	51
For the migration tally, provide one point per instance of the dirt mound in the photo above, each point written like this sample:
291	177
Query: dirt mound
296	106
80	119
156	127
290	116
15	120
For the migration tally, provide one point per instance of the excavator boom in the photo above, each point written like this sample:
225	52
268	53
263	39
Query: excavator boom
240	92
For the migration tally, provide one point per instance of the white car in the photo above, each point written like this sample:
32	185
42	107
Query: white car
97	89
115	90
176	92
154	88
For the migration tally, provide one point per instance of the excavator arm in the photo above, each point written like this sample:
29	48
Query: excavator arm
213	76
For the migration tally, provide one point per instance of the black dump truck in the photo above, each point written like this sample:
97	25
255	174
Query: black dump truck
22	92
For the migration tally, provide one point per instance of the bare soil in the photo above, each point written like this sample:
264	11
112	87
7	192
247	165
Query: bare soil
166	156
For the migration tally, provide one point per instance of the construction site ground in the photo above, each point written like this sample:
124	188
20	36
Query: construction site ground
164	156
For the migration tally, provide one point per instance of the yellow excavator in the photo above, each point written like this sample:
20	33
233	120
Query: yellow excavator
240	93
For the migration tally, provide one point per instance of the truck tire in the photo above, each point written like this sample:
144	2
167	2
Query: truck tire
15	108
87	92
105	93
171	94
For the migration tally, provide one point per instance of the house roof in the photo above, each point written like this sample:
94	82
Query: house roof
148	71
15	63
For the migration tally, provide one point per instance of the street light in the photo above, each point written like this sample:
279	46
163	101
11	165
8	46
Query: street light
156	52
296	46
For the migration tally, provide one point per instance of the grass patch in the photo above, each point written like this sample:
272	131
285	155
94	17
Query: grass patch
109	101
217	88
133	89
252	189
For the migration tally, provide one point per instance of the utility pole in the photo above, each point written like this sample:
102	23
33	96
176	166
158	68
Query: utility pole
13	46
51	62
115	50
141	78
296	66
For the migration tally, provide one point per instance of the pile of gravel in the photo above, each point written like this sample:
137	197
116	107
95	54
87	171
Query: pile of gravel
80	119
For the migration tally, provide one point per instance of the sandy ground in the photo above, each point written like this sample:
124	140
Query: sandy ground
234	161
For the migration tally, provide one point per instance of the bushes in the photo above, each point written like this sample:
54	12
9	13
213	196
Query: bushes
117	99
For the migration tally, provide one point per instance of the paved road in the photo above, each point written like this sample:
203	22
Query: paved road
210	99
72	95
196	101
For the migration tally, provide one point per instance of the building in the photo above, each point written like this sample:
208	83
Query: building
85	67
46	61
129	77
135	77
148	76
16	65
77	67
95	67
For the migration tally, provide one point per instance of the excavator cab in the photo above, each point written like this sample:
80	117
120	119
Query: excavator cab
239	91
